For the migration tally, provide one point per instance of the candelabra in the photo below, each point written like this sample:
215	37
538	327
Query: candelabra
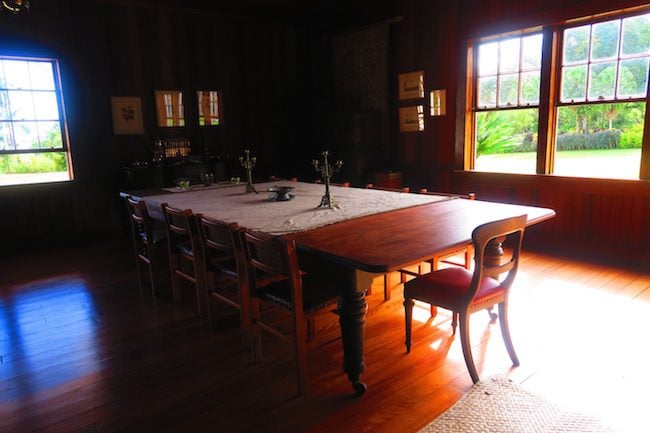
326	171
248	165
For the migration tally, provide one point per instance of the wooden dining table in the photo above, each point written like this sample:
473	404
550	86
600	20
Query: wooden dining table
382	242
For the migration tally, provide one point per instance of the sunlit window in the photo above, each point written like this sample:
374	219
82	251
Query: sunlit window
593	119
33	145
603	62
508	83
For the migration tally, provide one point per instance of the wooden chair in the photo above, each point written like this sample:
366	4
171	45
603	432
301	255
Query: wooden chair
274	277
184	246
221	269
463	292
148	242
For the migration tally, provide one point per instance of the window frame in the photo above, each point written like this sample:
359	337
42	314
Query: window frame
550	93
63	124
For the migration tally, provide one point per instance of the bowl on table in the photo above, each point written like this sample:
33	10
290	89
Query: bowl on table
280	193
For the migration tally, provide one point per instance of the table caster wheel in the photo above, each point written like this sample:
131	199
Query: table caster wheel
359	387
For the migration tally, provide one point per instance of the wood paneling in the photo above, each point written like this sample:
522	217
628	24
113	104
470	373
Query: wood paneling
131	49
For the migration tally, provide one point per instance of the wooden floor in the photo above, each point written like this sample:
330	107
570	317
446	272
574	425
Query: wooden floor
82	350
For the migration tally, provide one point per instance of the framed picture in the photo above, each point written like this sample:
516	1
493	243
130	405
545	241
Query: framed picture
411	85
127	115
411	118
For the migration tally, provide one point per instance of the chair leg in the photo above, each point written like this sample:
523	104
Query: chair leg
212	307
493	316
300	349
152	280
311	328
505	332
467	348
408	316
256	335
386	287
454	322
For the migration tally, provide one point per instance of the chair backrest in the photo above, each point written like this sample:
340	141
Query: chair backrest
269	259
469	195
381	188
141	223
181	227
510	229
219	240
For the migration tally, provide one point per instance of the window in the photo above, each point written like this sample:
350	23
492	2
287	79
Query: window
33	145
597	113
507	104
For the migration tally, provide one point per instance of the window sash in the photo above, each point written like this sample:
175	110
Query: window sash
550	96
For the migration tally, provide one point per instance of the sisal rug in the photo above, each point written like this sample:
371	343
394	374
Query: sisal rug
498	405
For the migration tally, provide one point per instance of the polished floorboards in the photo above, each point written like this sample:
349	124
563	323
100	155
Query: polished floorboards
83	350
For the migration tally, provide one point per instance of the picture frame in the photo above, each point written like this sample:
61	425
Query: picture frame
411	119
127	115
410	85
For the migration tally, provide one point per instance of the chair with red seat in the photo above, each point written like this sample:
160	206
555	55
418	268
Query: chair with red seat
463	291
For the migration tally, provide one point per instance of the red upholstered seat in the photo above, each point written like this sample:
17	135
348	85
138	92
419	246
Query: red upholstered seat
451	287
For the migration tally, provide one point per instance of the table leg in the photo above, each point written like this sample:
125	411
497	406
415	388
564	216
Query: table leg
352	319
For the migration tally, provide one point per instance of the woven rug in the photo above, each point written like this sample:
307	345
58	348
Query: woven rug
498	405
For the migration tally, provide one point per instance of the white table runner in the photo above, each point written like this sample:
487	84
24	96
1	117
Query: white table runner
258	212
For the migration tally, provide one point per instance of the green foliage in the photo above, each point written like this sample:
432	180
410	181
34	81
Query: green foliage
33	163
607	139
632	138
493	133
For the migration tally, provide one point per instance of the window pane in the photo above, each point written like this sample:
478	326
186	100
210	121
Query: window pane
604	40
5	112
532	52
633	80
487	92
21	105
600	140
26	135
488	57
509	55
46	106
636	35
33	168
49	134
16	74
506	141
530	87
6	137
602	81
41	76
576	45
508	90
574	83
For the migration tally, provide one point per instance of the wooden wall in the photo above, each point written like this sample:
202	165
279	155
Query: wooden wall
131	49
599	217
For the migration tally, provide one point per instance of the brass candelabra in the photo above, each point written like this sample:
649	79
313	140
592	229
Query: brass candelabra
248	163
326	171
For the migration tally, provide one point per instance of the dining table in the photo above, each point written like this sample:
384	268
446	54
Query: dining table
368	230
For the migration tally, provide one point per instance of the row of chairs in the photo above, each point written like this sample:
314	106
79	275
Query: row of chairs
231	265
